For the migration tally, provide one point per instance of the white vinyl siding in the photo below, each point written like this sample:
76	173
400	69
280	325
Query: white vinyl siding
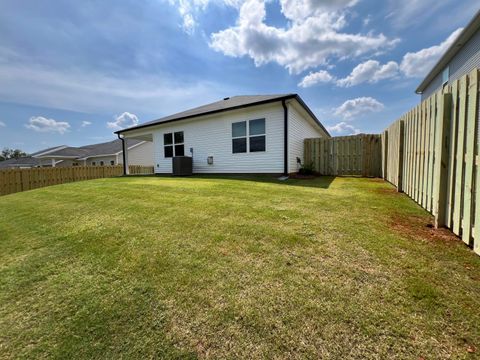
467	59
106	160
140	155
212	136
300	127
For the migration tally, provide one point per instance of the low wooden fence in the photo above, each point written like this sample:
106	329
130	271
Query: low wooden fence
345	155
16	180
431	154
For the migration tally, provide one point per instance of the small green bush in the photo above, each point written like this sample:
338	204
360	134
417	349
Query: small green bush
306	169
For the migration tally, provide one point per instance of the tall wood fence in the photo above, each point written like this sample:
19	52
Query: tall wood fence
431	154
345	155
16	180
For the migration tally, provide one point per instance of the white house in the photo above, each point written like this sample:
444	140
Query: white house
109	153
241	134
461	58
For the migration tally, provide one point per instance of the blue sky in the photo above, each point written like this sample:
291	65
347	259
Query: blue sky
73	72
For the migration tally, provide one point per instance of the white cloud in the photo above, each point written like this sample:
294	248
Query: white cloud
86	123
419	63
314	78
41	124
2	124
123	121
342	128
370	71
312	38
353	108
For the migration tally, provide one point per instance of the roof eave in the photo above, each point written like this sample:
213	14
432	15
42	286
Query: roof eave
464	36
286	97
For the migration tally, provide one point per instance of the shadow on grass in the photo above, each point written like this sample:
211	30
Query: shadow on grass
322	182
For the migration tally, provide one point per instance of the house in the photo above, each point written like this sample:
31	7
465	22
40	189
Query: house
20	163
461	58
109	153
240	134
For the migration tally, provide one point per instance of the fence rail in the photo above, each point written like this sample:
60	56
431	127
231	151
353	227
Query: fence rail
431	154
345	155
16	180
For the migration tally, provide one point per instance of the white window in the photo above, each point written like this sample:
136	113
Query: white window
112	162
248	135
173	144
101	163
94	163
446	75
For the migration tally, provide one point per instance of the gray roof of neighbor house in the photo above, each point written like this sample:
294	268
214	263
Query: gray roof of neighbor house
472	27
23	161
107	148
47	150
229	103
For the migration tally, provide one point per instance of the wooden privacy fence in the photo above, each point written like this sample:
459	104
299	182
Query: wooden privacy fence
431	154
16	180
345	155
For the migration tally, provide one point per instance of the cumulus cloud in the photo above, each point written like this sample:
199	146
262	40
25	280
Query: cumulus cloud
123	121
42	124
353	108
2	124
417	64
86	123
190	9
312	38
314	78
370	71
343	128
413	64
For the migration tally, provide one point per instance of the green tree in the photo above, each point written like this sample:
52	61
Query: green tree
8	153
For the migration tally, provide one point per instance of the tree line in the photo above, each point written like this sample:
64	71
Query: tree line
8	153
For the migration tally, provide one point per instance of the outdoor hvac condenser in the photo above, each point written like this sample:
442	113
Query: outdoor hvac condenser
182	165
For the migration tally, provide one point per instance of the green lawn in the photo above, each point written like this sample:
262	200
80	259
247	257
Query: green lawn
205	267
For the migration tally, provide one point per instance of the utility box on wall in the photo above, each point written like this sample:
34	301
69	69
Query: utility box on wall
182	166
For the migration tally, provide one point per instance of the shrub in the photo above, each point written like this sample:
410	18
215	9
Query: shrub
306	169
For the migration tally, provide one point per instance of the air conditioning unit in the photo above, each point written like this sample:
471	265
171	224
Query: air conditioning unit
182	165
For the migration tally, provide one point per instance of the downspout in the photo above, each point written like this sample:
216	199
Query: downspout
285	138
123	155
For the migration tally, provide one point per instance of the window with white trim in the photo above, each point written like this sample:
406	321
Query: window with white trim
112	162
446	75
173	144
248	136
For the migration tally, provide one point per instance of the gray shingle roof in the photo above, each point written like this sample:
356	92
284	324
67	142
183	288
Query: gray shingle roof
25	161
217	106
107	148
46	150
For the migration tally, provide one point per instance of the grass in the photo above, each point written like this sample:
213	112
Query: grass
206	267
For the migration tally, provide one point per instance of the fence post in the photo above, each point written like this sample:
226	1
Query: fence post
440	175
401	127
385	155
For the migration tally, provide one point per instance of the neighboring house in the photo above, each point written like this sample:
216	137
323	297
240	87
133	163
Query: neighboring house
110	153
20	163
462	57
241	134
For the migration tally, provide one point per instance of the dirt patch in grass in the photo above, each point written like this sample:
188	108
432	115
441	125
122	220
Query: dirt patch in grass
421	227
387	191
